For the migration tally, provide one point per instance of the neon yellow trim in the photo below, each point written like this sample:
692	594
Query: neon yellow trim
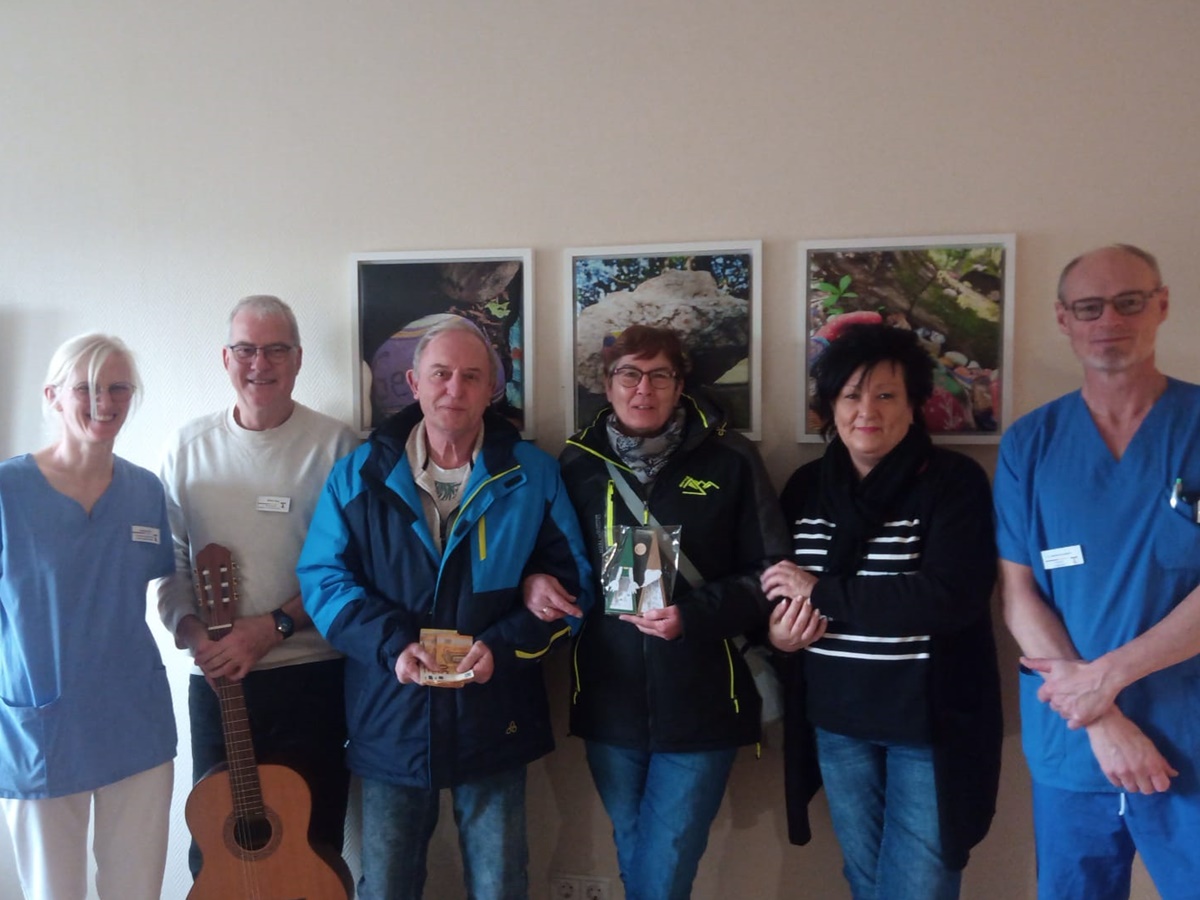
575	669
538	654
608	516
732	691
598	455
699	411
479	488
482	538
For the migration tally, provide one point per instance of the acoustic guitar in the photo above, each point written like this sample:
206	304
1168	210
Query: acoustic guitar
251	821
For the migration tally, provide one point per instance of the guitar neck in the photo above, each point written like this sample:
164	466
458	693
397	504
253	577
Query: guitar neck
215	581
239	750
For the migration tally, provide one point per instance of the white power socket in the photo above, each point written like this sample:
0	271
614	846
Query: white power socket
595	888
566	887
579	887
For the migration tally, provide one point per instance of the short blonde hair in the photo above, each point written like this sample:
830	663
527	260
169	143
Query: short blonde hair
91	351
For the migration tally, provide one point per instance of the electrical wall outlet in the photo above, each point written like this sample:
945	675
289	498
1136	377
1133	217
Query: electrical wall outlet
566	887
595	888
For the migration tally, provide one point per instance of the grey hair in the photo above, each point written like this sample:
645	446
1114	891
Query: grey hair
91	351
1137	252
265	306
458	323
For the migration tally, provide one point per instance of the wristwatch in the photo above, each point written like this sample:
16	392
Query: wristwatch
284	623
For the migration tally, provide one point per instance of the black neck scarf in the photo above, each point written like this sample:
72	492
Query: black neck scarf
860	507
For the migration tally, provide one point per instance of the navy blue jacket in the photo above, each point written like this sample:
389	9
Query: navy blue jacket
372	578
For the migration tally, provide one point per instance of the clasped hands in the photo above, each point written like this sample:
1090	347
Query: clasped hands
1085	694
795	622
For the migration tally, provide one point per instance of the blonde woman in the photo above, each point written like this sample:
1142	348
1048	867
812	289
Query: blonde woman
85	712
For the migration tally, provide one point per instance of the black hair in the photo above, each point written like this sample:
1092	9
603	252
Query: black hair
870	345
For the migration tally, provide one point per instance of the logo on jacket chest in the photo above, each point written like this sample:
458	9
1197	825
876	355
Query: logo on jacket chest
695	487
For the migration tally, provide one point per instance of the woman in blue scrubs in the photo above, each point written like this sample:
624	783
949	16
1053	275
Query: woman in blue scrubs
86	726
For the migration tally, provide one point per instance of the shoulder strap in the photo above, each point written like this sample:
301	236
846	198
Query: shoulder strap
632	501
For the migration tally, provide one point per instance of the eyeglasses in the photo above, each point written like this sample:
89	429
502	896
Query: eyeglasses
1127	303
118	391
274	352
631	377
1186	506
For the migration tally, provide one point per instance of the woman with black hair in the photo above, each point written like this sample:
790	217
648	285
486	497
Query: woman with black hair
887	592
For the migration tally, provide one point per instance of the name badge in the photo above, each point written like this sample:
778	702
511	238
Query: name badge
145	534
273	504
1062	557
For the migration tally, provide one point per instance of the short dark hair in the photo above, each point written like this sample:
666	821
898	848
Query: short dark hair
645	342
870	345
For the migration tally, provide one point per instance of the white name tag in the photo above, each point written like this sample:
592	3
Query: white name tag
1061	557
273	504
145	534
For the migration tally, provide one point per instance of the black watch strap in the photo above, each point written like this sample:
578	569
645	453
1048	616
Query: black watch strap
284	623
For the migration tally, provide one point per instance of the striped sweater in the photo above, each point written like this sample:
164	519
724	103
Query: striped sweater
927	573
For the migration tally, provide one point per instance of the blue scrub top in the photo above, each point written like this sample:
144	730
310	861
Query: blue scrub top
84	699
1058	486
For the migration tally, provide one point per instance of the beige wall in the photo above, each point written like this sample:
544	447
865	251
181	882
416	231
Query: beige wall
159	160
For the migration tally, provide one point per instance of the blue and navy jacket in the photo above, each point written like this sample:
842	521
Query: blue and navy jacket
372	578
694	693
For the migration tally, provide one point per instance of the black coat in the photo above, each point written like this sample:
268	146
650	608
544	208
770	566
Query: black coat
694	693
949	599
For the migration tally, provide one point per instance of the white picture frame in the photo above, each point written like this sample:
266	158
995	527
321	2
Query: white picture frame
396	294
711	295
956	291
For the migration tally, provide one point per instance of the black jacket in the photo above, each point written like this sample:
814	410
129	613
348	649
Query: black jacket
694	693
948	598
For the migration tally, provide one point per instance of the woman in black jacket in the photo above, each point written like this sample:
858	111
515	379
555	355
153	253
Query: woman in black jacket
888	591
663	699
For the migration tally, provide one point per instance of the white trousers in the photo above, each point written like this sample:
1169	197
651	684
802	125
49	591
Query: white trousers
129	839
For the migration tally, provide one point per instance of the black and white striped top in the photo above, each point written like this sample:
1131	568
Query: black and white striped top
896	550
924	576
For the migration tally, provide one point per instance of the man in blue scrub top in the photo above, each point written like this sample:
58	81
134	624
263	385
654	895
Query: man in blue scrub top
1100	568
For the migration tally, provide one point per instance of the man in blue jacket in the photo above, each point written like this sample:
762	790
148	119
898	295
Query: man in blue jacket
432	524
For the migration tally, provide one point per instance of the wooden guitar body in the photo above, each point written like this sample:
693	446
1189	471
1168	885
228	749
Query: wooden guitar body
277	863
250	821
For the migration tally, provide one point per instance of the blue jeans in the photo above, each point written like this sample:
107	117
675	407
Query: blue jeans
661	806
1086	842
399	821
883	801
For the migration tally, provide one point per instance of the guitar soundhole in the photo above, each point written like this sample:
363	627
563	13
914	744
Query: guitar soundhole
252	839
252	834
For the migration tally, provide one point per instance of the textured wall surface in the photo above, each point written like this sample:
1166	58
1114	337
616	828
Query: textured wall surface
160	160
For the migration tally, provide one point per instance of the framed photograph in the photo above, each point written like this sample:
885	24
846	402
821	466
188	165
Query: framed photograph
710	294
399	296
955	292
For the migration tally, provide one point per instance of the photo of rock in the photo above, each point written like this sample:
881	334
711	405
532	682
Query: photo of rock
708	294
955	294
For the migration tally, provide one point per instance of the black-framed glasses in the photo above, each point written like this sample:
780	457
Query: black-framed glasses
274	352
118	391
631	377
1189	507
1126	303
